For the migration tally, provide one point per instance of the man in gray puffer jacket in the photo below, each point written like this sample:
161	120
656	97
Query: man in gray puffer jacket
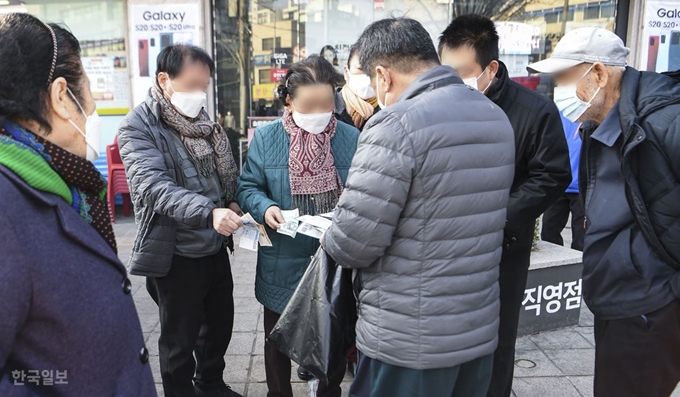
422	217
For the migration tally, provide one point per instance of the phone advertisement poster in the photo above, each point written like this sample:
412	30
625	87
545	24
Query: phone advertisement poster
100	72
661	39
155	27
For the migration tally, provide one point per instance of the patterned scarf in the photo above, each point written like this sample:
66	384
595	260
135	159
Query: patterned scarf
314	181
47	167
206	142
359	110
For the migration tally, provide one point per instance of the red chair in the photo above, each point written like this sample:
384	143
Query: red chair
117	181
531	82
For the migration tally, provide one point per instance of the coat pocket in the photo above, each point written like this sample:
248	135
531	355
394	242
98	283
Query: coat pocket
629	261
187	171
191	179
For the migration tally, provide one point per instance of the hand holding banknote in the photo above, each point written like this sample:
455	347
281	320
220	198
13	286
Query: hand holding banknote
273	217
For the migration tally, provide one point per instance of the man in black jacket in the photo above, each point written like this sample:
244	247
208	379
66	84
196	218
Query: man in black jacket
629	180
542	170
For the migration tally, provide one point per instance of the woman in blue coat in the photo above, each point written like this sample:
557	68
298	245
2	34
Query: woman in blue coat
298	162
68	324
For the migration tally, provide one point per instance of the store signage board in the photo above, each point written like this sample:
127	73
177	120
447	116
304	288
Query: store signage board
660	50
108	83
155	27
277	75
264	91
262	59
516	38
282	58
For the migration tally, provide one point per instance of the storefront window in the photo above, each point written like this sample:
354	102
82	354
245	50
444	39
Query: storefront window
100	27
273	34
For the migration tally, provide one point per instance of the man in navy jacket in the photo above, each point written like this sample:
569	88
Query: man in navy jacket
629	179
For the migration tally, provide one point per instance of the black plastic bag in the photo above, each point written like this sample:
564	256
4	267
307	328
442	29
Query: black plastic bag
317	327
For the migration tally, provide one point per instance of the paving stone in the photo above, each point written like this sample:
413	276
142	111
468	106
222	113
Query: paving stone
247	305
573	362
256	390
544	387
561	339
137	288
534	363
159	390
146	305
237	369
584	384
244	279
137	280
152	345
676	393
257	372
259	344
551	355
152	338
238	387
155	369
299	390
524	344
244	291
240	266
246	322
346	384
587	319
149	322
241	343
588	333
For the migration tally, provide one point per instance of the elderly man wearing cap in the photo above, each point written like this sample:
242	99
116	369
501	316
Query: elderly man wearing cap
630	184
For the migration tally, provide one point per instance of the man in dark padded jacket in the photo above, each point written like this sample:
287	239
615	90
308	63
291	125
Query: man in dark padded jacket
542	169
182	177
629	177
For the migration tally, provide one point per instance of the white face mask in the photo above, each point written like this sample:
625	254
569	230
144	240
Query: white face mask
188	104
93	131
314	123
360	84
472	82
571	106
377	88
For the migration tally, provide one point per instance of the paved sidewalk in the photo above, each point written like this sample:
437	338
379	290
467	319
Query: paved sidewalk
549	364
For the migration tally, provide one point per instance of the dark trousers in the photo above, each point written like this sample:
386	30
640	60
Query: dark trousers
514	270
196	306
555	219
377	379
278	366
638	356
